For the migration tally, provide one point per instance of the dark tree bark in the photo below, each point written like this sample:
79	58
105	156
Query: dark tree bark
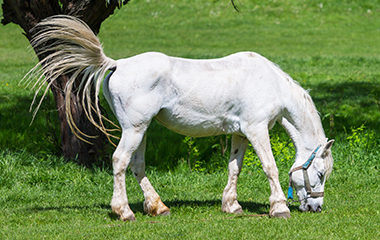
26	14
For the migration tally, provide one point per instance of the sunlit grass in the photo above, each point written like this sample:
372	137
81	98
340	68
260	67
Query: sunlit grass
48	197
331	48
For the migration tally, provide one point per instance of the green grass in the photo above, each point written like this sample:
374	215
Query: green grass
48	198
332	49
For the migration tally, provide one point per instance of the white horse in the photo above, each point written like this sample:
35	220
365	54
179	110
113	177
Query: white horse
243	94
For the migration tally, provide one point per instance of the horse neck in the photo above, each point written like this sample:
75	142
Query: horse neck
300	117
301	120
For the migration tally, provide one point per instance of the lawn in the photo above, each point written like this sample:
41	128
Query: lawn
330	47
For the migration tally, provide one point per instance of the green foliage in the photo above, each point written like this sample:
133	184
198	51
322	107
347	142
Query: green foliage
362	152
251	159
283	149
207	154
360	139
283	152
120	3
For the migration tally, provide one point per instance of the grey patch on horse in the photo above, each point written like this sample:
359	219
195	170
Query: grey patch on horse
154	86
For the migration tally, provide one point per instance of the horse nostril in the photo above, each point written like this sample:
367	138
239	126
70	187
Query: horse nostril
308	207
319	209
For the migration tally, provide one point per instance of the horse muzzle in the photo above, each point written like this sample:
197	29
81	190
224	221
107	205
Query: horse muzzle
308	207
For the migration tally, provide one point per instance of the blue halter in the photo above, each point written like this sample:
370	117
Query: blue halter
304	167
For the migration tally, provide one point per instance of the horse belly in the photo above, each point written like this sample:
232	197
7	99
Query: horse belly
197	124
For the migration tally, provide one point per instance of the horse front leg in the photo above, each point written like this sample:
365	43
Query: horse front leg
260	141
229	201
152	204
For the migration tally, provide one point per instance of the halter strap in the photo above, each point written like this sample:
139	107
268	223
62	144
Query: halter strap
304	168
307	164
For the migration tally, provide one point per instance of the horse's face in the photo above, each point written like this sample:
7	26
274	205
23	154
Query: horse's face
317	173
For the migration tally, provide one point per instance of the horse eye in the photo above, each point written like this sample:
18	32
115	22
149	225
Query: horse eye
320	174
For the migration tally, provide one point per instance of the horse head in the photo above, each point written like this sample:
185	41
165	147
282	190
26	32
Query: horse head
309	178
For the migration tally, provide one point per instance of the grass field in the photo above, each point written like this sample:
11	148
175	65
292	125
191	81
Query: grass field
330	47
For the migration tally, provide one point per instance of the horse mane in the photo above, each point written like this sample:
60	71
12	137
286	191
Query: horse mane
302	96
305	101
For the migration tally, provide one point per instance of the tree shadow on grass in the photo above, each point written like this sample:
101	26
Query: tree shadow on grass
250	209
347	104
19	131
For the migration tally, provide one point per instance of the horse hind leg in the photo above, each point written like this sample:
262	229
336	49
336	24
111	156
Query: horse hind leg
229	201
122	156
152	204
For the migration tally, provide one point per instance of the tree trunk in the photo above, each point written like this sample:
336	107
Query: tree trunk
26	14
72	147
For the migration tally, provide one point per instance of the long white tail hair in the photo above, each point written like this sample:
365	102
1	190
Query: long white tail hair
73	49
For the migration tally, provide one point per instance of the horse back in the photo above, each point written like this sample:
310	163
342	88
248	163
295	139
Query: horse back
197	97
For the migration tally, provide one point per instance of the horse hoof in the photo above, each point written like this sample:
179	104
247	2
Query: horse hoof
282	215
238	211
165	213
129	219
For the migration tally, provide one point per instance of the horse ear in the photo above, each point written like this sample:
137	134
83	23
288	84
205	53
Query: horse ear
328	145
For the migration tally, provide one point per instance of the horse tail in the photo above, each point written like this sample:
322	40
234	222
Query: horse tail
72	49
